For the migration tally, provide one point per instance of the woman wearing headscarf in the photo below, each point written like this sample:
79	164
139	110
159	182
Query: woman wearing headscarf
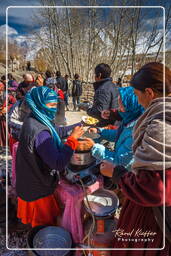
129	110
41	156
142	213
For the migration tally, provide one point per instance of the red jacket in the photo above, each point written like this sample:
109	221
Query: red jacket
60	93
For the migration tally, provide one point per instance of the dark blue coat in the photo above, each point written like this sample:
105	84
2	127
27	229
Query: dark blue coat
105	97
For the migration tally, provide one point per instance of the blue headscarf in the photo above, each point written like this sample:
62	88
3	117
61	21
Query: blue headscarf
130	102
37	99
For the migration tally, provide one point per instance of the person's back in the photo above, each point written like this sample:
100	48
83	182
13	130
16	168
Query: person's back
106	94
77	88
61	82
60	119
76	91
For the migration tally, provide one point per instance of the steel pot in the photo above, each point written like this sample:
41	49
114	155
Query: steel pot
82	158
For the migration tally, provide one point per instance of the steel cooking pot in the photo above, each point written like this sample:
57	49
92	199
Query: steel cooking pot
82	158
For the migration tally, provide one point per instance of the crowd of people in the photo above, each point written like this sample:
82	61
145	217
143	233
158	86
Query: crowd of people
63	86
136	118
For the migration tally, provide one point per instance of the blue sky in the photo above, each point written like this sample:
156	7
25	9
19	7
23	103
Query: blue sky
21	24
21	21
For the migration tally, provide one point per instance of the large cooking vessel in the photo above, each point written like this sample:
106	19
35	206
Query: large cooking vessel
82	158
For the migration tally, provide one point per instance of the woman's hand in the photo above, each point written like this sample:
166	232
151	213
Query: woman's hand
92	130
105	114
77	132
107	169
87	144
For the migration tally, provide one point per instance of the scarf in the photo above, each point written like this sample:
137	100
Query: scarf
132	108
130	102
150	138
37	99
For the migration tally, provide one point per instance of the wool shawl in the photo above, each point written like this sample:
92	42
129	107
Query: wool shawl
152	137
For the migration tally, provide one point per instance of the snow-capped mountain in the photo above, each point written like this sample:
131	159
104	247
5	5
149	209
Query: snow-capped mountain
25	41
28	42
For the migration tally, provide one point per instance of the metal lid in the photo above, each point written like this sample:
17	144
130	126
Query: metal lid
103	202
90	135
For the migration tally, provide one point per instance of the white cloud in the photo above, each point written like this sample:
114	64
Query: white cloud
11	31
155	20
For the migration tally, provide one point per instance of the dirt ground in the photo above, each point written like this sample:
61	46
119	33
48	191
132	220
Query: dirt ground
74	116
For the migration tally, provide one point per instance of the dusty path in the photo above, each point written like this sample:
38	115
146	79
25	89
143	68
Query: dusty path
74	116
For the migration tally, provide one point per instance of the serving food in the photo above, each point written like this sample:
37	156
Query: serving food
84	145
90	120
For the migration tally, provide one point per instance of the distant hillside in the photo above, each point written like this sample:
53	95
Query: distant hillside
18	75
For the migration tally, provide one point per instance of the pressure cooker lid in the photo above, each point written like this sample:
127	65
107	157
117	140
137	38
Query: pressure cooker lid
52	237
102	202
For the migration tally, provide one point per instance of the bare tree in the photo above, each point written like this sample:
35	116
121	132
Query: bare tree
76	40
